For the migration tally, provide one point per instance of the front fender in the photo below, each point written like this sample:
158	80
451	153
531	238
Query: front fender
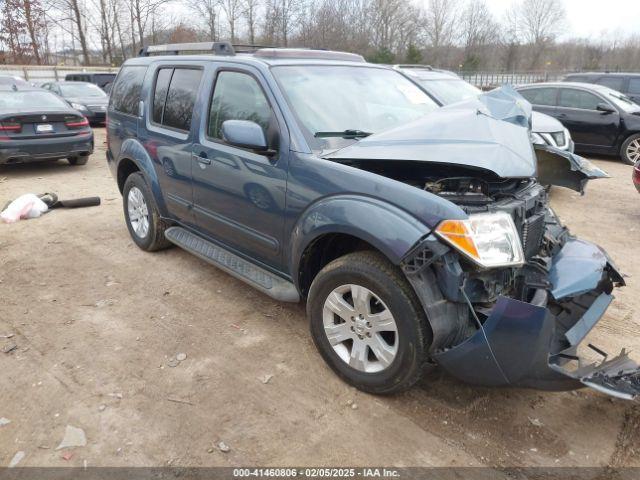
565	169
389	229
134	151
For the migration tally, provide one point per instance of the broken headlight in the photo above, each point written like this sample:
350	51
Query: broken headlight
489	239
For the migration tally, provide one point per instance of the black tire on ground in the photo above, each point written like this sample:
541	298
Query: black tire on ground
80	160
154	239
373	271
630	145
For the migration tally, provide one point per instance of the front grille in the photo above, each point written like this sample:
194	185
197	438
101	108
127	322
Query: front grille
532	234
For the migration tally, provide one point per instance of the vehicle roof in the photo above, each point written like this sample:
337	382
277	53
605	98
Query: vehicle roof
20	88
242	58
586	86
72	82
612	74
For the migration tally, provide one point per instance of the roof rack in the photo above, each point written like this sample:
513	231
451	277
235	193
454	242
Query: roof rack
307	53
248	48
217	48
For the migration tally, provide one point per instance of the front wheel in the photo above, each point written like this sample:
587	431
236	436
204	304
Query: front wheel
630	151
367	323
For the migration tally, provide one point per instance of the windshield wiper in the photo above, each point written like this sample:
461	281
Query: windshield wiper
349	134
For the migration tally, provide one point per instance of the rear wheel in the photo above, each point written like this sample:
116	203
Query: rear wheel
80	160
368	324
141	214
630	151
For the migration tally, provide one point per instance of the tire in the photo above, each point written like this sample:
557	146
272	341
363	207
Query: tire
405	350
147	231
630	151
81	160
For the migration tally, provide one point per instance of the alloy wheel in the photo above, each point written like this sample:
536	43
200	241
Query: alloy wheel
138	212
360	328
633	150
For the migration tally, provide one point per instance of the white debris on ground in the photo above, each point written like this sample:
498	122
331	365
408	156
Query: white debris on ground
73	437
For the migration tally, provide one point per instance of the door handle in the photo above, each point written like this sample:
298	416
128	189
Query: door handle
202	160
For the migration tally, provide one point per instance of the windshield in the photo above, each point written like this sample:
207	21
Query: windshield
328	98
33	100
450	91
623	102
81	90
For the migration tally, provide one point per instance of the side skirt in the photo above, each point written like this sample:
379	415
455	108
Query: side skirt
257	277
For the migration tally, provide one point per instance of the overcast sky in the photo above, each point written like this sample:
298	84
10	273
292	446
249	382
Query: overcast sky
589	18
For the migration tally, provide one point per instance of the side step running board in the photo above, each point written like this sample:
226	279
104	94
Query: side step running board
244	270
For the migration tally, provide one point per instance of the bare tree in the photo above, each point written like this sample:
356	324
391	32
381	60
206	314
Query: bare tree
232	10
440	25
73	12
209	11
540	22
250	11
478	30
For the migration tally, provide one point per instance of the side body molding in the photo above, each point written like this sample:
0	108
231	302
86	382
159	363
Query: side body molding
133	150
389	229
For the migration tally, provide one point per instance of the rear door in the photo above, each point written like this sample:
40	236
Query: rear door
124	106
590	128
168	136
543	99
239	194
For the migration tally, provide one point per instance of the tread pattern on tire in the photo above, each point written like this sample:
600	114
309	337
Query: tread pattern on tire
157	225
377	261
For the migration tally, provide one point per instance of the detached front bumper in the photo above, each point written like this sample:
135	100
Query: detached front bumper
536	344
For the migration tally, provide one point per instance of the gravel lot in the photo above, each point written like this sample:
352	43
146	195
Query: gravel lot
97	323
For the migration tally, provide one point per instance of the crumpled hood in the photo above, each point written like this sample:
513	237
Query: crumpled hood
542	123
490	132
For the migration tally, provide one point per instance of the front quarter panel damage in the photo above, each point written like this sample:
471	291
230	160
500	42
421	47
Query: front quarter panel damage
565	169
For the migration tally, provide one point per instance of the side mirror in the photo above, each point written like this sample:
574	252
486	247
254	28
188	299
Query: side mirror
605	108
244	134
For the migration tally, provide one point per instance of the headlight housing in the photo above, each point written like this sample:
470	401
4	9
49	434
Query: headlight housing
488	239
78	106
537	139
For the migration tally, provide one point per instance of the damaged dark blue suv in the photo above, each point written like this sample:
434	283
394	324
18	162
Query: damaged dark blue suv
413	233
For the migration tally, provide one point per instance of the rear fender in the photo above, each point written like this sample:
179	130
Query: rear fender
565	169
133	150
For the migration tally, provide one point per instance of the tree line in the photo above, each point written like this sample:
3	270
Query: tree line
454	34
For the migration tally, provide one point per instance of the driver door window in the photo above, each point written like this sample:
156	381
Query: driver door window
571	98
237	96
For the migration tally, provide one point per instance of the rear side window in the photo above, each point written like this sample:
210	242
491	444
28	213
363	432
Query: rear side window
615	83
125	95
237	96
160	93
181	97
634	86
571	98
540	96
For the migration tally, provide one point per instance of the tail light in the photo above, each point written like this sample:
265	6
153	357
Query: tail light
75	123
10	127
636	173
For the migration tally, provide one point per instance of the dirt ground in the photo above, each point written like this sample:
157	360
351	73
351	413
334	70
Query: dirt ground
96	322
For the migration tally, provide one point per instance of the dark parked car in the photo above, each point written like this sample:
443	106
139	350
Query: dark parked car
627	83
413	233
600	120
85	97
37	125
99	79
446	88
